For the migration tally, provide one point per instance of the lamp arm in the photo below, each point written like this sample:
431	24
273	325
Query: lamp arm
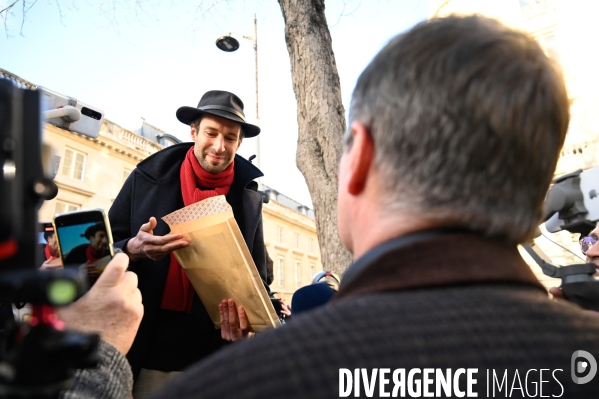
241	34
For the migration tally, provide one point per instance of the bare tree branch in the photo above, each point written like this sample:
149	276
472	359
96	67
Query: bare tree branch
60	12
9	7
343	14
140	11
202	12
201	3
4	14
25	10
23	17
28	8
5	26
114	12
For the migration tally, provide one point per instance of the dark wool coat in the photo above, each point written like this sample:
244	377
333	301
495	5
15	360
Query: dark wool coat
168	340
450	301
77	256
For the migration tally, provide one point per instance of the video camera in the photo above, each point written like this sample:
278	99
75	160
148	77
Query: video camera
37	359
572	204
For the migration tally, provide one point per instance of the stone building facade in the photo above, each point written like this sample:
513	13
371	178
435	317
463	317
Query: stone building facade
291	242
91	172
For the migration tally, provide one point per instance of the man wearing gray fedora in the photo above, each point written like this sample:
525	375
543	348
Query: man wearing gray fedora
176	330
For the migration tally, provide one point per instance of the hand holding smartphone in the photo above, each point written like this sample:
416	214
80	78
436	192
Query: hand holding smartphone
85	241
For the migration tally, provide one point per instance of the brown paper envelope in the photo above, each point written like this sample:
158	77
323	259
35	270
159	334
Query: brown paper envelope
220	266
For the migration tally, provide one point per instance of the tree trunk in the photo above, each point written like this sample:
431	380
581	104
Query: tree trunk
320	117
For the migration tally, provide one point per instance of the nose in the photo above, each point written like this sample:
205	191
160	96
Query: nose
593	252
218	144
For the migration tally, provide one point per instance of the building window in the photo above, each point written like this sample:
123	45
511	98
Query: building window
126	174
73	164
281	270
312	270
297	241
279	234
62	207
298	273
311	246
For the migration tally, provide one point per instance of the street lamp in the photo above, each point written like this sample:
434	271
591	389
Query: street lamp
229	44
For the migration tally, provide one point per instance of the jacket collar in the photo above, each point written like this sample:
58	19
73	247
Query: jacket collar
436	259
166	165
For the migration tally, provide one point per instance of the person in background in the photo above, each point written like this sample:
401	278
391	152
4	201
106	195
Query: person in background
590	249
51	253
51	248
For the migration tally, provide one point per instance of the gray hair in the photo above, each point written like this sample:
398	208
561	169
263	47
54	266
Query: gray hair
468	118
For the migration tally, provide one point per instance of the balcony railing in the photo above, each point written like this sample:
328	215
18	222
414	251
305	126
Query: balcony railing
130	139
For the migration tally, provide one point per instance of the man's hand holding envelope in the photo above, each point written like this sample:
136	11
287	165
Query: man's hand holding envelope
219	265
233	321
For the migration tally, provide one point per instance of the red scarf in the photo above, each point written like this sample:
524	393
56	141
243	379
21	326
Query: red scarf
93	255
50	253
196	185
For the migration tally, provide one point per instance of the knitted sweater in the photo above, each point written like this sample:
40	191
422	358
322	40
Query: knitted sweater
111	379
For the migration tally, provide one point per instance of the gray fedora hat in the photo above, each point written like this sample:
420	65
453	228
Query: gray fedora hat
219	103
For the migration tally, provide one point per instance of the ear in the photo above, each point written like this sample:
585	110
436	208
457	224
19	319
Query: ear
360	158
194	132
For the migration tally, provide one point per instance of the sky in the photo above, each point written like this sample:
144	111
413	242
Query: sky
145	59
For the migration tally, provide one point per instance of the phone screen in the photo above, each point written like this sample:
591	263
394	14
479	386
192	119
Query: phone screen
85	241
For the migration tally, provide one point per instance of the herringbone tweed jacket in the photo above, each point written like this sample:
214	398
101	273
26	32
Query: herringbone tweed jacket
453	301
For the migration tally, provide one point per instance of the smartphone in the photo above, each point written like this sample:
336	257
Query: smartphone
85	241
